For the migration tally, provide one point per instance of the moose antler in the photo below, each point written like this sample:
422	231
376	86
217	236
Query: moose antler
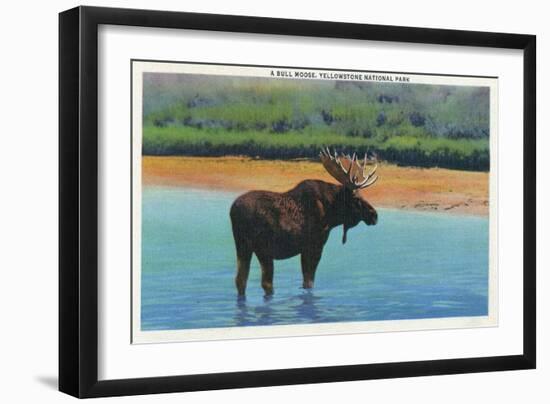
347	170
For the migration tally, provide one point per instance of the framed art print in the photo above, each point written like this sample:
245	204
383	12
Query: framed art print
204	135
250	202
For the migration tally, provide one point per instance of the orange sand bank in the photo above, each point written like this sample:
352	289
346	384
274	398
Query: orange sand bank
431	189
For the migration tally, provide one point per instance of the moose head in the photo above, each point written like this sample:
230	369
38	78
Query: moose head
353	175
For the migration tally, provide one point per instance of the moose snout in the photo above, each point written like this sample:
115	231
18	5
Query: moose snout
372	218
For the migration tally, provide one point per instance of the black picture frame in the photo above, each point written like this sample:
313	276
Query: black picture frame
78	201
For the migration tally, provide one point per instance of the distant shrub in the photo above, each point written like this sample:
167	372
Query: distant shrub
327	117
280	126
417	119
381	119
383	98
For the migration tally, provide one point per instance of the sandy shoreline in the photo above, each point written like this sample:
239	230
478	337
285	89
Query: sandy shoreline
424	189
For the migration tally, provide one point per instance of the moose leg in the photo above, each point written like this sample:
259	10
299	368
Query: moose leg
243	268
267	274
310	260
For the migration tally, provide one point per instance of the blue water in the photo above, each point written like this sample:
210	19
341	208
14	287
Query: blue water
409	266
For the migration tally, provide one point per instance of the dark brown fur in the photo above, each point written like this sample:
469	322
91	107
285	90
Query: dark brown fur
281	225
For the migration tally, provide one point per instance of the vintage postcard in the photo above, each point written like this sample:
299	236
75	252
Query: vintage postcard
286	201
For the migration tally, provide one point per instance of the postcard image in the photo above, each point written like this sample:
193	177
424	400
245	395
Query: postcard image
289	201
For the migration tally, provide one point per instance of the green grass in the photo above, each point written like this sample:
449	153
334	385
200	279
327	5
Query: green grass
409	150
172	136
425	125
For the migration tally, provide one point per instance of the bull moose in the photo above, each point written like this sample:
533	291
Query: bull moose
277	226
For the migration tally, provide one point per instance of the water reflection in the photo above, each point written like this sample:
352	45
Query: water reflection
308	308
242	316
273	310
